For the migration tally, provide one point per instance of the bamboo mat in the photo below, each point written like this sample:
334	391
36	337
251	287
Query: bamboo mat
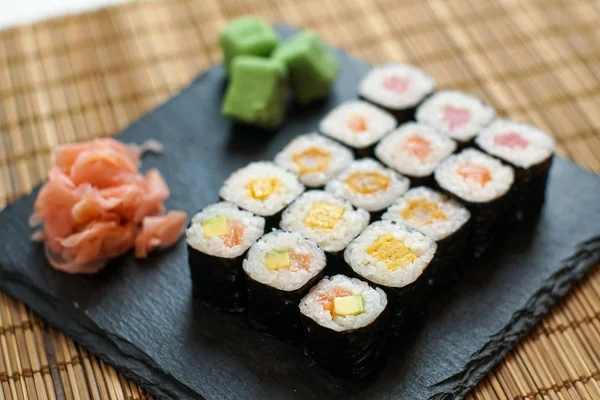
88	76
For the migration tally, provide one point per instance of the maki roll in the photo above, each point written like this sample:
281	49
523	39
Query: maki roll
441	218
415	150
458	115
314	158
281	267
394	257
368	184
397	88
330	221
357	124
262	188
483	184
344	323
530	152
217	238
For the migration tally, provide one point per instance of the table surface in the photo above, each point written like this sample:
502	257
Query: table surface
87	76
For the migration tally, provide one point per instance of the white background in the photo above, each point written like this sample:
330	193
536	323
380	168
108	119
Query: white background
19	12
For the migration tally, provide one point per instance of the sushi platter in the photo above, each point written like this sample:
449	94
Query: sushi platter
317	262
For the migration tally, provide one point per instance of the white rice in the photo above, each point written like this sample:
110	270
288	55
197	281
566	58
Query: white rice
379	123
284	278
374	301
437	229
373	88
339	158
538	145
392	150
431	112
235	188
377	271
351	224
194	235
377	200
448	177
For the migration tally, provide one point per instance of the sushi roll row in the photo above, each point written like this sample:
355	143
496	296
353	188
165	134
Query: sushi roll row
391	213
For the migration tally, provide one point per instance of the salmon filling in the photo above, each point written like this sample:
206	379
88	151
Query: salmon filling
417	147
324	216
357	124
262	188
423	211
476	173
287	259
456	117
396	84
231	232
368	182
511	140
312	160
326	299
391	251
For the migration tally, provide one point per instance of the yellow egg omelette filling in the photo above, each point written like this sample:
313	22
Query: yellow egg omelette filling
367	182
422	211
262	188
391	251
324	216
312	159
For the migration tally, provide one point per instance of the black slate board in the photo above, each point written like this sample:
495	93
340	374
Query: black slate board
139	316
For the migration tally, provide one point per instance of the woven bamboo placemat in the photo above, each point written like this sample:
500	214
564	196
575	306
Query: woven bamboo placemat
87	76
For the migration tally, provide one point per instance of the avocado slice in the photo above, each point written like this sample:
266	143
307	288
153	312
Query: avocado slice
277	259
215	226
348	305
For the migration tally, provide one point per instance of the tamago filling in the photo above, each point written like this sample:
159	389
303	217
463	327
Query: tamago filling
391	251
417	147
367	182
423	211
312	160
324	216
262	188
476	173
231	232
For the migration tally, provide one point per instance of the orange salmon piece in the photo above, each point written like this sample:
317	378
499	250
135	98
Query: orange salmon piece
357	124
236	233
476	173
417	147
326	299
299	261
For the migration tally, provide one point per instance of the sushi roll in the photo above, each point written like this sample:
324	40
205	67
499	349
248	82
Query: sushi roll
530	152
328	220
415	150
280	268
397	88
483	184
441	218
217	238
368	184
357	124
456	114
314	158
262	188
396	258
344	322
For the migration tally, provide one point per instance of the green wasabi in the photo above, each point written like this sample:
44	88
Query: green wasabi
257	91
247	36
312	68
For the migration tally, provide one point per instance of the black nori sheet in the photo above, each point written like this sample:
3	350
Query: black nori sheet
530	190
354	354
218	281
140	317
276	311
451	258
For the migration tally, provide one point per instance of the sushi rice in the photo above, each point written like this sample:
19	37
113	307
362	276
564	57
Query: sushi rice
390	253
374	300
328	220
414	149
368	184
431	212
357	124
215	246
262	188
456	114
285	278
314	158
